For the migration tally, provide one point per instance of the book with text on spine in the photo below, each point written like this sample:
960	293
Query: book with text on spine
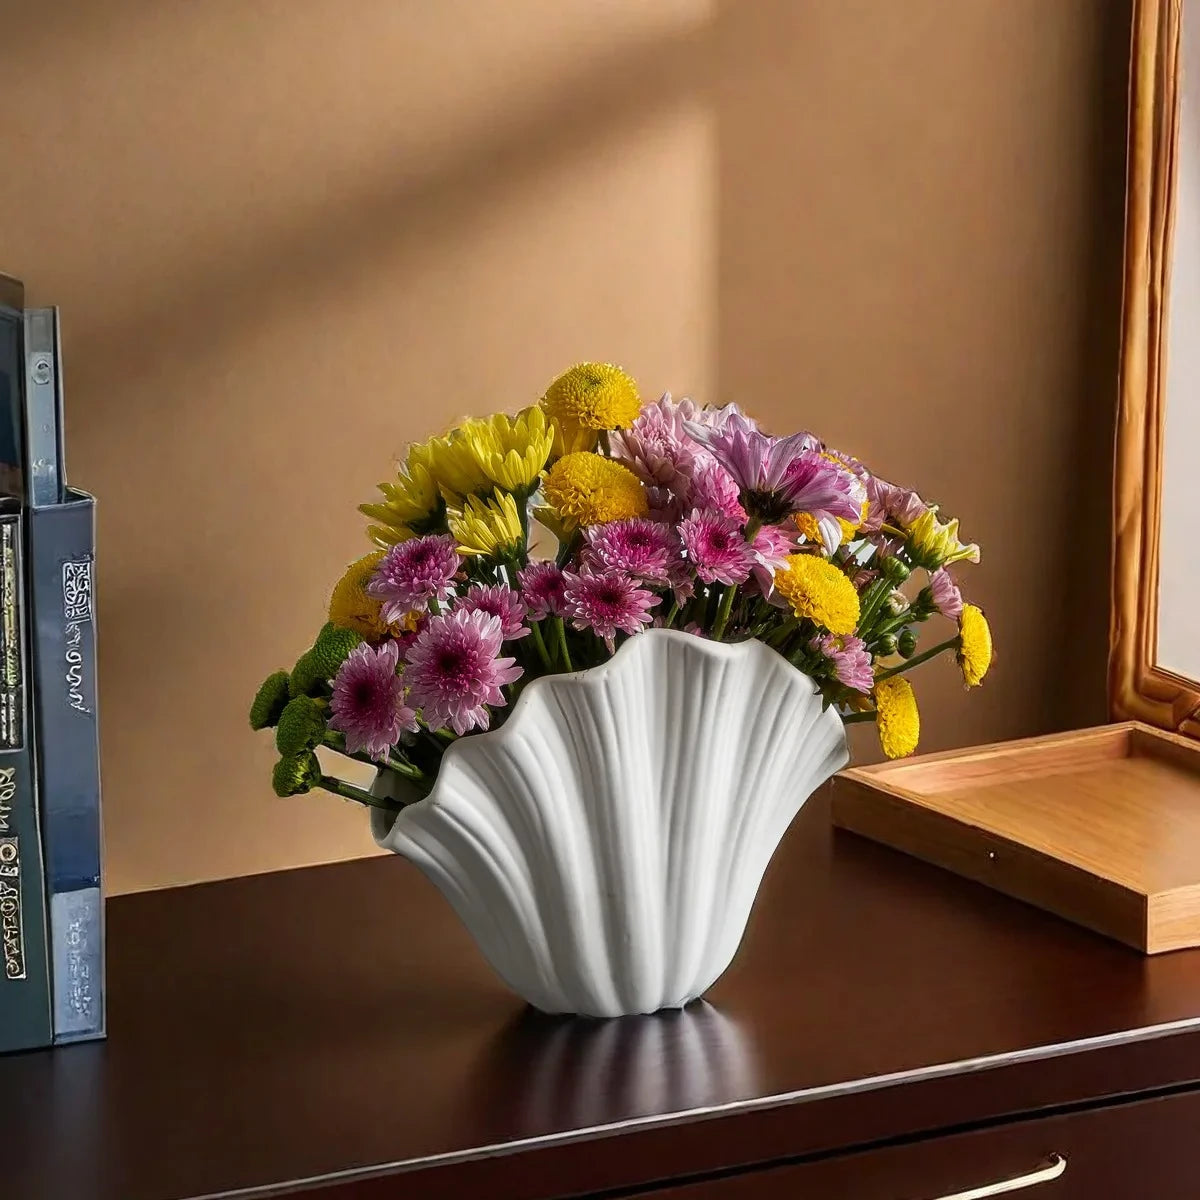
62	564
61	541
25	1009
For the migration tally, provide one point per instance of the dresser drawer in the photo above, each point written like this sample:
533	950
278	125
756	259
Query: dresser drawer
1137	1151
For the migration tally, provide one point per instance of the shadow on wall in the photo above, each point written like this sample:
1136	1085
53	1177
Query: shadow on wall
920	256
285	245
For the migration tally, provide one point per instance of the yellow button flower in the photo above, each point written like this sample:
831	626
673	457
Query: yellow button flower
586	399
975	645
818	590
488	528
350	607
511	451
896	717
588	489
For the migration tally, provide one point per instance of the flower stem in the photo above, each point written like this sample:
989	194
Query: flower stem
724	611
876	594
855	718
522	499
672	614
560	637
567	549
948	644
539	644
348	791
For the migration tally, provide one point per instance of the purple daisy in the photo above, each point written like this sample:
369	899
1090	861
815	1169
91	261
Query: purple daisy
716	547
454	673
947	598
497	601
780	476
367	704
413	573
607	601
849	658
638	546
542	589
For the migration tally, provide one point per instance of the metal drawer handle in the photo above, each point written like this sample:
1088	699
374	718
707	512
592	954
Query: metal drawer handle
1052	1170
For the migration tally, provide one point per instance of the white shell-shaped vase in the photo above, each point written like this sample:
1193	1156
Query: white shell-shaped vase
604	846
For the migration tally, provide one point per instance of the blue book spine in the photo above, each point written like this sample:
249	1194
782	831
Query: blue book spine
62	564
25	1009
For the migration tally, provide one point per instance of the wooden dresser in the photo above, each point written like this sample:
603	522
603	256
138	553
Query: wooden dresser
889	1032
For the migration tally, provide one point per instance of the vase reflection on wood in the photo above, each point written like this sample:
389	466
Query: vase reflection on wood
605	845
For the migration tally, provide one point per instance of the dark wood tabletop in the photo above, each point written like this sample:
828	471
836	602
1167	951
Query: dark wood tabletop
337	1023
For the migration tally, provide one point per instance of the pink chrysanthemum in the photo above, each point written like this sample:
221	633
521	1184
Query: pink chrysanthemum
947	598
498	601
716	548
607	601
543	589
367	704
454	673
638	546
656	447
887	502
849	659
413	573
714	489
771	548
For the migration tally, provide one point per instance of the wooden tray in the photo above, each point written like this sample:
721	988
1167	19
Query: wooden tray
1101	826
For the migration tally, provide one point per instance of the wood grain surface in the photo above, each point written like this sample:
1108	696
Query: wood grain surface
1100	826
335	1025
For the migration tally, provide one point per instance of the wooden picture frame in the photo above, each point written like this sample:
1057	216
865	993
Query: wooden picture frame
1138	688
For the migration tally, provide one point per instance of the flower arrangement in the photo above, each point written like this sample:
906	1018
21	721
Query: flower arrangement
665	515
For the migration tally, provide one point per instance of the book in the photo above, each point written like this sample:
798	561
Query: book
25	1007
61	543
61	587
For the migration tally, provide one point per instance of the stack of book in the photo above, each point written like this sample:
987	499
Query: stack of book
51	906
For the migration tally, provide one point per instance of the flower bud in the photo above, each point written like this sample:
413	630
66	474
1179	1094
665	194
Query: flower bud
296	774
268	703
906	643
897	602
301	726
894	569
886	645
306	677
331	649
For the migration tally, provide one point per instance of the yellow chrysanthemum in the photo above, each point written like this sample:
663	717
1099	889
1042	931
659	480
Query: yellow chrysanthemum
350	607
588	489
453	462
816	589
511	451
975	645
586	399
807	524
412	498
389	535
488	528
933	544
896	717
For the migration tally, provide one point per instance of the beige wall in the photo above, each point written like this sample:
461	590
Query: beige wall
288	236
